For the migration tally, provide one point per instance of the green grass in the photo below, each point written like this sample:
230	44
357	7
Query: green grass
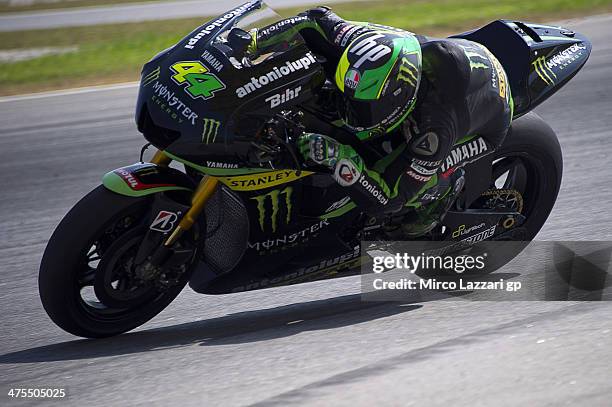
116	53
448	15
6	8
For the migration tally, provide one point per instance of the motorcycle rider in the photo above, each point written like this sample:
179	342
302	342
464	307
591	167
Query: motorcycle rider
421	95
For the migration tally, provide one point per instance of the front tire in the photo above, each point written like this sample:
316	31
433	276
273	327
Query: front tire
87	236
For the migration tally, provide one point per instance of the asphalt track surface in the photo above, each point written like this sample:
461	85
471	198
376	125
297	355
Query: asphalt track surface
129	13
314	344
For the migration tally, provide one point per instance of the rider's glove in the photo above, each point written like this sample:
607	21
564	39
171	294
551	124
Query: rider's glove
346	164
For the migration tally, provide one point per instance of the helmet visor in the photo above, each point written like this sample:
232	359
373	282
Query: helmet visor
367	114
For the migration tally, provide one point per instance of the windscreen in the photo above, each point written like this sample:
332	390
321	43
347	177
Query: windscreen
245	30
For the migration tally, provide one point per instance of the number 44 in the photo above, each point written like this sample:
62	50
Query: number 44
201	82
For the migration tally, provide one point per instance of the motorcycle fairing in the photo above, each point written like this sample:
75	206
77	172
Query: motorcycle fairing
206	101
539	59
143	179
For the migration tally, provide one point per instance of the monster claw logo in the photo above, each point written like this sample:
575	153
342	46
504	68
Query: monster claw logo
408	72
274	202
201	82
151	76
210	130
543	70
473	56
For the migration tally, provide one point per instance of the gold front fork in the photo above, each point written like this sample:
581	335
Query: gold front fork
205	190
207	187
161	159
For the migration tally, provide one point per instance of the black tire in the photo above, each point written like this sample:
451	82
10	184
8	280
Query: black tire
535	142
531	152
65	258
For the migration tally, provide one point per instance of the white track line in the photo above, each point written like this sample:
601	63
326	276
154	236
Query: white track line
74	91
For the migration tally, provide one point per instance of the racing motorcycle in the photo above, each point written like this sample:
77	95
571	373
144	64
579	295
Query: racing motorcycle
226	204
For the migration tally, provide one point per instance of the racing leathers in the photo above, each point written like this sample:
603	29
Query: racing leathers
463	91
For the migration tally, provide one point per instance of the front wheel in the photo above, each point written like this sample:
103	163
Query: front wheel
88	282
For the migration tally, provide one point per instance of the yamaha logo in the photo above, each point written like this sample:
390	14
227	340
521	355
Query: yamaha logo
465	152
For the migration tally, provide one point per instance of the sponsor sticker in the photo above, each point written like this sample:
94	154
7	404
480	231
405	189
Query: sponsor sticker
274	198
373	190
349	35
277	72
485	234
151	77
219	22
253	182
164	221
212	61
462	230
169	103
368	50
277	26
408	72
464	153
210	130
475	57
352	78
290	239
564	58
346	172
423	170
283	97
325	267
340	34
427	144
545	73
418	177
215	164
338	204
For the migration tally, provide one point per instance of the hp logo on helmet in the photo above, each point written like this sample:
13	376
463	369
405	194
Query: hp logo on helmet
369	50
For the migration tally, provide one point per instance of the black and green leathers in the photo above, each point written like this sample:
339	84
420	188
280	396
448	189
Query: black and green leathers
413	98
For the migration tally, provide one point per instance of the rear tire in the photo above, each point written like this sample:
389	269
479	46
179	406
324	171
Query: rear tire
532	144
65	266
534	141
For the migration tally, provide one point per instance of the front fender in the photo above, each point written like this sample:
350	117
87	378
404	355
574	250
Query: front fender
145	179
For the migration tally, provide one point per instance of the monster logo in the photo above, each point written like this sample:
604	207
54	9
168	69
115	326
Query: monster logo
274	201
543	70
408	72
151	76
475	58
210	130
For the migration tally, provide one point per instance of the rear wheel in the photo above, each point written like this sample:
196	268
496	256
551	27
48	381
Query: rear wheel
88	281
527	172
526	178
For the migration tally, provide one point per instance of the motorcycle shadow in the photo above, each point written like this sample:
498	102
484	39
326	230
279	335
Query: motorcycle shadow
237	328
242	327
